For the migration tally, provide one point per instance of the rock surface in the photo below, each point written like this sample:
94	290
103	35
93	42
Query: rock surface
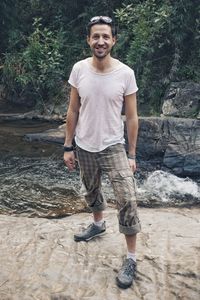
182	100
39	187
40	260
42	186
31	115
174	142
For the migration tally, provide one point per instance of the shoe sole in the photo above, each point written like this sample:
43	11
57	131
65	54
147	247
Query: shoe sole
76	239
122	285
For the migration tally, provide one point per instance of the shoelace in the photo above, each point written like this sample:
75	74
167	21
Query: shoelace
88	227
129	268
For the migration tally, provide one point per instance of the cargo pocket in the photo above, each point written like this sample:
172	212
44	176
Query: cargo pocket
123	185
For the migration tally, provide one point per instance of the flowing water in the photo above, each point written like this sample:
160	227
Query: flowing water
34	180
12	142
169	188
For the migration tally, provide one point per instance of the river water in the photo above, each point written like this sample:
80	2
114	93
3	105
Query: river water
34	180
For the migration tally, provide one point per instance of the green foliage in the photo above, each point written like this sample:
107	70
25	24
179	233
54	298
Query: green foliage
37	71
159	39
154	40
143	26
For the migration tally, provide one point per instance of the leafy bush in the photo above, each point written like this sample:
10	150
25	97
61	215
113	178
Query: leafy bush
159	38
154	40
36	72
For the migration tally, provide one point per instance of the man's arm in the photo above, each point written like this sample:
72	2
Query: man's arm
71	122
132	127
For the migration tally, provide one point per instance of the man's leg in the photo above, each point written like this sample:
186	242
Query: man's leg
131	246
117	166
98	216
129	225
131	242
91	178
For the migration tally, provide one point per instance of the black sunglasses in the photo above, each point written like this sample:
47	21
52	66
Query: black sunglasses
103	19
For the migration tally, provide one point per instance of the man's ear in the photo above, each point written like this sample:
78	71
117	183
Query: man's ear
88	39
114	40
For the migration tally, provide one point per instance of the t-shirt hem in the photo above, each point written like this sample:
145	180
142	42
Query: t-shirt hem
97	149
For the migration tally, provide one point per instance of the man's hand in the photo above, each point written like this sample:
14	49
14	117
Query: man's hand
132	164
69	159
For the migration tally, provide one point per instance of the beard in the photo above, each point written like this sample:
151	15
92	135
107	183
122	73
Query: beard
100	53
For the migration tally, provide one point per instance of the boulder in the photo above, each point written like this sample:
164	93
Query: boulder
174	142
182	100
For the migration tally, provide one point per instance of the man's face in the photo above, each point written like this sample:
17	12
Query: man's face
101	40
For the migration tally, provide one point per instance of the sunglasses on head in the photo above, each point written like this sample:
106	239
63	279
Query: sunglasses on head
103	19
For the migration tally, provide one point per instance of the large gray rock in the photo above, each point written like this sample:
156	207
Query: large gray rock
182	100
174	142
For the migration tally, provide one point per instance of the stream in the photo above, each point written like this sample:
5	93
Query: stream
35	182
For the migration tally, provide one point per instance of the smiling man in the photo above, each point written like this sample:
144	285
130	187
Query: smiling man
100	85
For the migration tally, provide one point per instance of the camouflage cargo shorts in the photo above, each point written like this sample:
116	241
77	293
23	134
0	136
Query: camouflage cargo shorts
112	161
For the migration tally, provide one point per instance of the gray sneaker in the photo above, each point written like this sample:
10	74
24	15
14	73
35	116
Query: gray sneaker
90	232
126	274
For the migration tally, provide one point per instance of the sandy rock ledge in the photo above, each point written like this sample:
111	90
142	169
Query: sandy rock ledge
40	260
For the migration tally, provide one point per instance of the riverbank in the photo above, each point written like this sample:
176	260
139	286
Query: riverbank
40	260
41	186
171	143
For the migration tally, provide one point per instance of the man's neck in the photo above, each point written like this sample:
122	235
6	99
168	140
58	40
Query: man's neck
102	65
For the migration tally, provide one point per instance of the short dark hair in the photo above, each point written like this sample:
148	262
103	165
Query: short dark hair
101	20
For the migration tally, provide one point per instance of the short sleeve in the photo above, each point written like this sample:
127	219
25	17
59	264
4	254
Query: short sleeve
73	77
131	85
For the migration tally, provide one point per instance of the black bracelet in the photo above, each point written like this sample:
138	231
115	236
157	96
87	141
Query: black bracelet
68	149
131	156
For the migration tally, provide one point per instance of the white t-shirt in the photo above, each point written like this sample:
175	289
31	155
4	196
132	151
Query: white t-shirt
101	96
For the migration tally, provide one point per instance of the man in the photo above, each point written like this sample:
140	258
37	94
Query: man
99	86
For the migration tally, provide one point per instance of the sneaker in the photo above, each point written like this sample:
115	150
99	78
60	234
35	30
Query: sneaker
90	232
127	274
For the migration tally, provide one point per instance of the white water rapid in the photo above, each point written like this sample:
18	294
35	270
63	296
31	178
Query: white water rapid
167	186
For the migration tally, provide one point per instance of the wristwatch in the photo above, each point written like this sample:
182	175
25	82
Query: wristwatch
68	149
131	156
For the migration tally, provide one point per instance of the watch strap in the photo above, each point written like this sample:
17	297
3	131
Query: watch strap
68	149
